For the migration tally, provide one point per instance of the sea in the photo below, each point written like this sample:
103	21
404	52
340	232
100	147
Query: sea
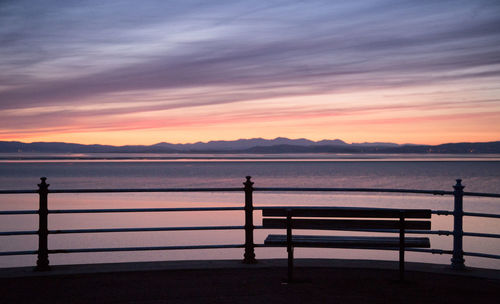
22	171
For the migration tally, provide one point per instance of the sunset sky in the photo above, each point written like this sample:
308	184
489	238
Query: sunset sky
143	72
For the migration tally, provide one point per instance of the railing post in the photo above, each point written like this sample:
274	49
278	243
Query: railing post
42	263
249	256
402	227
457	261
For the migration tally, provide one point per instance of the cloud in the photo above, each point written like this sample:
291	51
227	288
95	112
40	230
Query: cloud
64	54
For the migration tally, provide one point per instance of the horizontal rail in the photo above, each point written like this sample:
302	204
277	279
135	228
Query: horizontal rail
18	212
12	212
482	255
17	191
446	212
146	190
267	189
27	232
150	229
5	253
433	251
146	248
442	212
436	232
488	235
57	211
146	210
288	189
482	194
482	214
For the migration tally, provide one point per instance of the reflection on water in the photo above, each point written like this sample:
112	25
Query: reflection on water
376	171
482	176
175	219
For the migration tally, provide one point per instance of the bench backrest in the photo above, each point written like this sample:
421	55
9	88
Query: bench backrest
302	218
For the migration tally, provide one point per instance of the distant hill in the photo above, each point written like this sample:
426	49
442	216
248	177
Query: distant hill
244	144
254	145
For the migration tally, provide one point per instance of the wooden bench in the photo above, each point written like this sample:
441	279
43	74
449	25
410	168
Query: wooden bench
387	220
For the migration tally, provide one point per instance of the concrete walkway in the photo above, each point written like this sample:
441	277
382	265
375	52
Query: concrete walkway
319	281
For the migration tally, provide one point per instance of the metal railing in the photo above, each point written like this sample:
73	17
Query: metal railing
457	260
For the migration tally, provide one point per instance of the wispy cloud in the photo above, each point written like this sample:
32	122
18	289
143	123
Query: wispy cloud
183	54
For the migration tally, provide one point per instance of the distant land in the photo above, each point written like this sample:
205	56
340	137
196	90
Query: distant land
254	145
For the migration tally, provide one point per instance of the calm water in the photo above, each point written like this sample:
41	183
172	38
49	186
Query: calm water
479	174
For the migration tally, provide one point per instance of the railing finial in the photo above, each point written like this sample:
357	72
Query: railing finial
43	185
248	183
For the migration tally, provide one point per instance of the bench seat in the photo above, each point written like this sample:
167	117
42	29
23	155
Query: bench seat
356	242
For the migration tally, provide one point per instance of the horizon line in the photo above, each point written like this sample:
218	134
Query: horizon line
252	138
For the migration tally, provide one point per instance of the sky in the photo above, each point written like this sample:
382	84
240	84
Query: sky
143	72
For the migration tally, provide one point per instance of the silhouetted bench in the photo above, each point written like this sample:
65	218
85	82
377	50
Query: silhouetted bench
290	218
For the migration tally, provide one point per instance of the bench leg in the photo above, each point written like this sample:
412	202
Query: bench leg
290	264
402	247
401	264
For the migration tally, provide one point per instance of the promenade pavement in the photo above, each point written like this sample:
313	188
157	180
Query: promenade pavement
318	281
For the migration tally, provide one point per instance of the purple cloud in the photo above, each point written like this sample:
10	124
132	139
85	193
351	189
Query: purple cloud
72	53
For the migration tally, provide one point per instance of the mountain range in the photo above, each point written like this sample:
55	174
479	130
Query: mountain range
254	145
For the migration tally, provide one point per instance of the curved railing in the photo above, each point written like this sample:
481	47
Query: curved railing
249	253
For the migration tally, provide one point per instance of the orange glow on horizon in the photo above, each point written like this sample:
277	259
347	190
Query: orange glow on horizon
385	118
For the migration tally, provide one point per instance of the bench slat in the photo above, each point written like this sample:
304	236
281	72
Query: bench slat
324	224
346	212
365	242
